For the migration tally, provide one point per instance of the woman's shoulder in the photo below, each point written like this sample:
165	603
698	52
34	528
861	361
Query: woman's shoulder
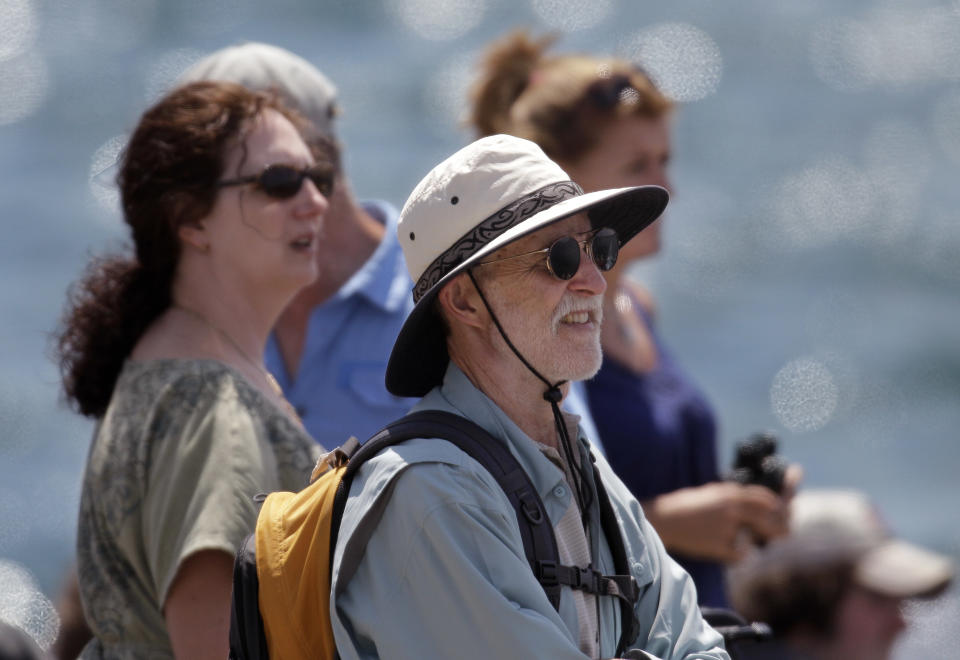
172	369
195	381
168	383
207	401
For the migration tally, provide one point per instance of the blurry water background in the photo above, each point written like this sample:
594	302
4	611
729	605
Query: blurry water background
811	267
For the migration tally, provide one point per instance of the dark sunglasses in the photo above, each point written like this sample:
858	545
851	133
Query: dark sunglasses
563	256
605	93
284	181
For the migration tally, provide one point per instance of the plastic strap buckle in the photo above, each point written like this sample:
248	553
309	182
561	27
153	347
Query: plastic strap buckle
547	573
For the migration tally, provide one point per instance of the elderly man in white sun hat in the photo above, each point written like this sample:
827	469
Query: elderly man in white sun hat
834	588
506	253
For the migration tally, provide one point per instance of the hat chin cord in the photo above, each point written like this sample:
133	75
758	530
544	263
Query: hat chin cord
554	396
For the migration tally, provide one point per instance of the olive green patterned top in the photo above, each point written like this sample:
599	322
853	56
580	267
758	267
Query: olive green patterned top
175	462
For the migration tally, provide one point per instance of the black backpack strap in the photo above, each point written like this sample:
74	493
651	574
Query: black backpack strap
492	453
627	590
248	641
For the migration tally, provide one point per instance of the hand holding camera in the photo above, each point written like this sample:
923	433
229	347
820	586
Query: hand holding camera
757	463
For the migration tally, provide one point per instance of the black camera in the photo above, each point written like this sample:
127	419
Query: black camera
756	462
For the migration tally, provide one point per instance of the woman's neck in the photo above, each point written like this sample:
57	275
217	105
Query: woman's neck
242	318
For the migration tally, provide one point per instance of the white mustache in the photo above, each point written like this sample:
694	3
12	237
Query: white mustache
570	303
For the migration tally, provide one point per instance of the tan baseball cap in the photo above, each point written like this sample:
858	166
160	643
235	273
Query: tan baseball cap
830	527
885	564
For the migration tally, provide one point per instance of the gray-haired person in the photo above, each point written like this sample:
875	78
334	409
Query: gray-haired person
507	255
330	346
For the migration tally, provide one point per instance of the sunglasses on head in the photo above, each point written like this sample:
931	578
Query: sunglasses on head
606	93
284	181
563	256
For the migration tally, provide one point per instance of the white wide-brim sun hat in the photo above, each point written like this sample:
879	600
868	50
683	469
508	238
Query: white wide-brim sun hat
487	195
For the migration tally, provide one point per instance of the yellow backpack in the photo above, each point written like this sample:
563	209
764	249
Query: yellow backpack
293	530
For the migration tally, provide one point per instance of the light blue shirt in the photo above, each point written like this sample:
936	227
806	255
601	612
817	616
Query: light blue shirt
339	390
436	566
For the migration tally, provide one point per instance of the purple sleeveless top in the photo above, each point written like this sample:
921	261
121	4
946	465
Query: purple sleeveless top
659	435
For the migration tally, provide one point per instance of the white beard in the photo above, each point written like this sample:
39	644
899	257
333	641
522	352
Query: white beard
545	352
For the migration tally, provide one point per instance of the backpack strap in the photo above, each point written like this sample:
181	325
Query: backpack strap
624	584
539	542
248	641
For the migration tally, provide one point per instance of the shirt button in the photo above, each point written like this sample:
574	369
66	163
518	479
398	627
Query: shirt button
559	491
637	568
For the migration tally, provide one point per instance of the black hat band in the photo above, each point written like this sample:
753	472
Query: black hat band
487	230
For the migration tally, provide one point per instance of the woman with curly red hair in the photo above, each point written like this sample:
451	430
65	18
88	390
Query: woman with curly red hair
163	347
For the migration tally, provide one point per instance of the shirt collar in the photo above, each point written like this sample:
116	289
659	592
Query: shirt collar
383	278
458	393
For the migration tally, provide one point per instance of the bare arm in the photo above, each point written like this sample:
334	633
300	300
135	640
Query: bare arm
707	521
197	609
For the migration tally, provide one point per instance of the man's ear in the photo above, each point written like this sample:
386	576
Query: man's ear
194	235
461	303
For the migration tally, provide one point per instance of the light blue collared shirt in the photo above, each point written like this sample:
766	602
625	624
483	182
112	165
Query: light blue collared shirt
438	566
339	390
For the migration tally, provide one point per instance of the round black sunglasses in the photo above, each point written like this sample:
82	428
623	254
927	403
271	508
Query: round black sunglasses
284	181
563	256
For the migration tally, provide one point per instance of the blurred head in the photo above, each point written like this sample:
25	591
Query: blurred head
262	67
601	119
182	147
834	587
500	218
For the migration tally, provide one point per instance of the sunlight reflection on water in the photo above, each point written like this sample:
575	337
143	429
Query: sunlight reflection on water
23	605
804	395
24	86
683	60
572	15
887	48
102	179
438	21
18	28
